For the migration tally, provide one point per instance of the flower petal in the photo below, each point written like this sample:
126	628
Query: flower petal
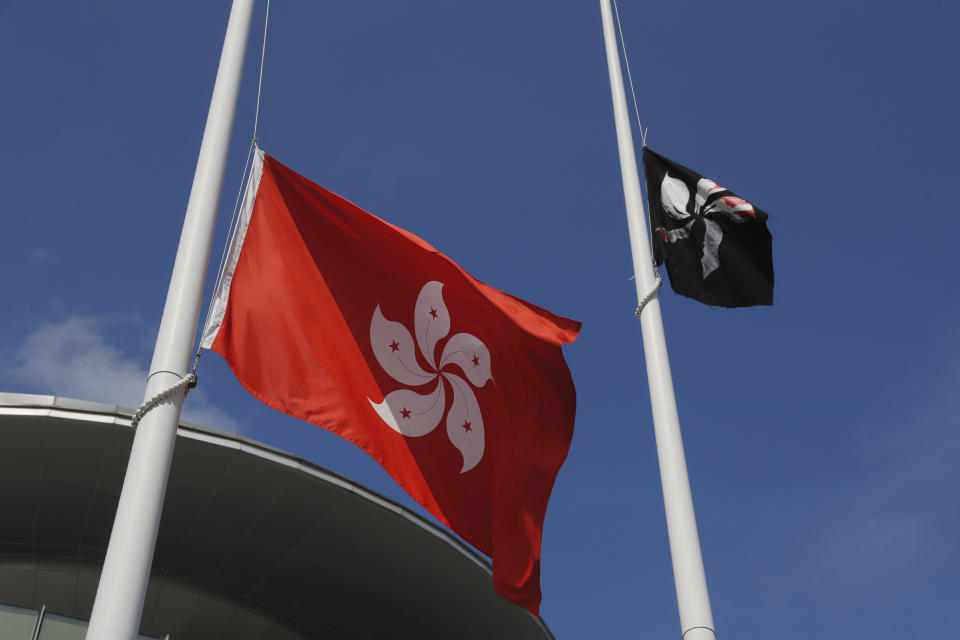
464	422
393	347
431	322
674	195
737	209
471	355
705	189
711	247
680	233
410	413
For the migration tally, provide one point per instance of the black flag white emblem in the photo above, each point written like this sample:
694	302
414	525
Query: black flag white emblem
716	245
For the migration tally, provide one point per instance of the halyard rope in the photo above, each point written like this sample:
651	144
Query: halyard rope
263	54
254	144
643	142
647	298
188	381
626	61
234	217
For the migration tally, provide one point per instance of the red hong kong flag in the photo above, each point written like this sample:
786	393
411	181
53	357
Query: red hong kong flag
460	391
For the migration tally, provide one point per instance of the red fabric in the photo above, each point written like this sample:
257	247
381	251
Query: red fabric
297	333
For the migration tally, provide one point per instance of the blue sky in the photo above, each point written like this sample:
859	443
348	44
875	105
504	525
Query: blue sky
821	434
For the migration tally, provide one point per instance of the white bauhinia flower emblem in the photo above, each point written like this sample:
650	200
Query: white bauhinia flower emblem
711	199
414	414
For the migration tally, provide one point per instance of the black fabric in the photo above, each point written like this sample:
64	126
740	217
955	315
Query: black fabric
688	215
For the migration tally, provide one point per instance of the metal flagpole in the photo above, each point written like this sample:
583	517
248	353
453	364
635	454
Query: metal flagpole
696	620
126	569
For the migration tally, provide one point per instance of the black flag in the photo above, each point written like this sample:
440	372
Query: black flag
716	245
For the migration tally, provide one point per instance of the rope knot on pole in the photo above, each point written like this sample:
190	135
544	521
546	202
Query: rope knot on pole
647	298
187	382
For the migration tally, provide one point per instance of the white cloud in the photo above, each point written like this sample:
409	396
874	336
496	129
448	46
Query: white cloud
74	358
200	410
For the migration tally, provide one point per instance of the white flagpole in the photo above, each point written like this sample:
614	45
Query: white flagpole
126	569
696	619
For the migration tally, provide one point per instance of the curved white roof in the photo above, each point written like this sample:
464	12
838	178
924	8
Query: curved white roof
244	524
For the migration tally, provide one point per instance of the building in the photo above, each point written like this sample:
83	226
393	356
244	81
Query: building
254	542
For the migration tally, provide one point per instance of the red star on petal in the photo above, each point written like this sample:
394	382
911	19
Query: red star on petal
433	312
395	346
466	426
405	412
476	361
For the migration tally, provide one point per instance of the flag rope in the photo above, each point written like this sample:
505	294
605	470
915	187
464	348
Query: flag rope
188	381
231	230
254	144
633	91
647	298
263	54
643	143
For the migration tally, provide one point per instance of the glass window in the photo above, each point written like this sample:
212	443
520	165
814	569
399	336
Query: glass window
17	623
57	627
